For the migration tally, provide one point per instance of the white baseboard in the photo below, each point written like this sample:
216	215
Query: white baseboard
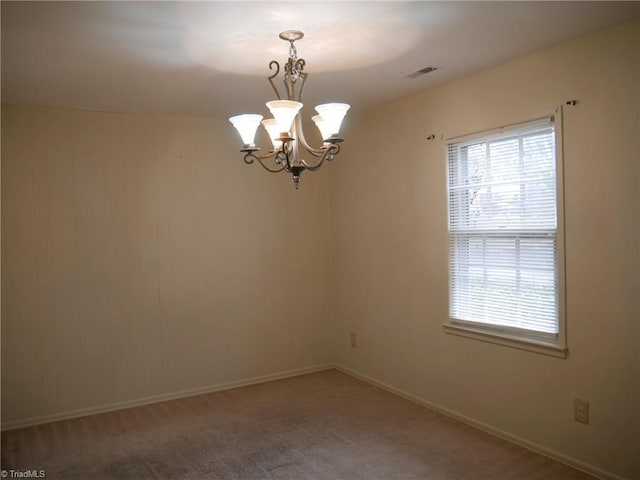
547	452
27	422
572	462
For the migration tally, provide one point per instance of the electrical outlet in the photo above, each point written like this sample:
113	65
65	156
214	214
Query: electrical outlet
354	341
581	411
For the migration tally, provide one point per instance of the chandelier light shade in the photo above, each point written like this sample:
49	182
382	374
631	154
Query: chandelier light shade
322	126
247	124
271	125
285	128
331	116
284	111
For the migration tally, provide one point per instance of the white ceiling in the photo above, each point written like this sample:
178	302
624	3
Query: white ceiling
212	57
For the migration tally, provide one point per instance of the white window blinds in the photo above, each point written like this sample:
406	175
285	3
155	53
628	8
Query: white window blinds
503	229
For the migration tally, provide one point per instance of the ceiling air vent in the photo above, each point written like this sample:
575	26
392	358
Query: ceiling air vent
422	71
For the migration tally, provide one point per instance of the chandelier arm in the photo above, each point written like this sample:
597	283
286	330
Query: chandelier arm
272	170
273	62
316	152
250	157
330	152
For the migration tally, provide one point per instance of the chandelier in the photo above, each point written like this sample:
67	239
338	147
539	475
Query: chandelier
288	142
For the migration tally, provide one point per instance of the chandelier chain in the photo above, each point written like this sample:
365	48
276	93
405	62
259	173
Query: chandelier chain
293	52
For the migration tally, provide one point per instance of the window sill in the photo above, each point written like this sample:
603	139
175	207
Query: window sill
507	340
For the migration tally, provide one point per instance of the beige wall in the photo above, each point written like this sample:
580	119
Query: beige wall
142	257
389	227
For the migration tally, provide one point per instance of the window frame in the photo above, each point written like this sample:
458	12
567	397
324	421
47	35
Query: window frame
548	344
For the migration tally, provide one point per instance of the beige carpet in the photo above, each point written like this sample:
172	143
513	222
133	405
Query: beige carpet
325	425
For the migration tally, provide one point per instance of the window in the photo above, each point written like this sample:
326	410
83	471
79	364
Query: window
505	237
